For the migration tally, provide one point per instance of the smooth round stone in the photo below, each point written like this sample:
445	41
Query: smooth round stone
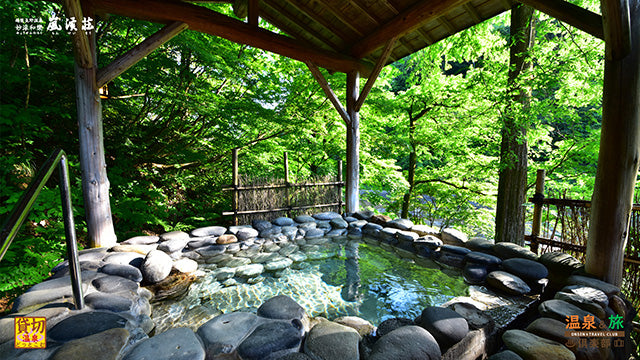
278	264
308	226
126	271
283	221
173	245
357	224
260	258
407	236
527	270
350	219
126	258
304	219
355	233
402	224
447	326
549	328
172	235
111	302
229	282
389	325
249	271
140	249
363	215
372	230
223	273
338	223
314	234
507	283
142	240
247	233
561	310
290	232
380	219
156	267
480	244
261	225
288	249
589	293
211	250
272	340
326	216
281	307
429	241
408	342
582	303
533	347
208	231
336	233
298	257
323	225
455	250
271	232
185	265
474	274
271	248
424	230
85	324
331	341
362	326
605	287
255	279
216	259
296	356
197	243
222	334
476	318
110	342
112	284
454	237
507	250
388	234
489	261
173	344
226	239
505	355
559	262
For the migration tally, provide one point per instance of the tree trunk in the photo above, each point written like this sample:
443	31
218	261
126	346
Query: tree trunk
513	149
617	160
95	185
412	168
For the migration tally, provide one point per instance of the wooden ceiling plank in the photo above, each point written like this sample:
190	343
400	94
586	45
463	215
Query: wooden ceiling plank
210	22
506	4
337	13
305	27
403	23
254	12
81	46
447	24
573	15
472	12
365	12
319	19
617	28
328	91
375	73
138	52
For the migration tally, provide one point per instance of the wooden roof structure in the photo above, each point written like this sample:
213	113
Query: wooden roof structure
358	38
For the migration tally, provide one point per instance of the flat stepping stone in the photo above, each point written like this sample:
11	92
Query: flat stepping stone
156	267
336	233
507	283
605	287
112	284
272	340
85	324
447	326
208	231
281	307
288	249
402	224
222	334
560	263
530	346
388	234
111	302
331	341
454	237
110	342
224	273
589	293
407	342
142	240
527	270
172	235
173	344
84	265
507	250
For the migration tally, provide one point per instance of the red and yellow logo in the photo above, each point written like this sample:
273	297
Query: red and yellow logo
30	332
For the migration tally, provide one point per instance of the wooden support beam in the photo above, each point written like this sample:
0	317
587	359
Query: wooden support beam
82	49
469	9
447	25
404	23
374	74
254	12
353	144
328	91
615	18
574	15
208	21
618	158
139	52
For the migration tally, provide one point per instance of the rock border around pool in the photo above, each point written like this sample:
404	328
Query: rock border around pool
120	284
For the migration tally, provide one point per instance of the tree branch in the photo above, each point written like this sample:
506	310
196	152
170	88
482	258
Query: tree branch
450	184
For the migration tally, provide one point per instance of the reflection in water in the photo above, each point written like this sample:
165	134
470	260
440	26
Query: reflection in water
350	290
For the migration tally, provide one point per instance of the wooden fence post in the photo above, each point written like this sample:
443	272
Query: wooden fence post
286	183
537	210
339	186
235	197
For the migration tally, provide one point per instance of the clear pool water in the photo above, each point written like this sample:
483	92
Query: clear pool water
337	279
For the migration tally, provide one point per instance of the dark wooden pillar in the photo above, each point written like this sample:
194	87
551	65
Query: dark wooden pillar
619	142
353	143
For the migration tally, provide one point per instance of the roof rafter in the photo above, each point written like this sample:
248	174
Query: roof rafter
208	21
574	15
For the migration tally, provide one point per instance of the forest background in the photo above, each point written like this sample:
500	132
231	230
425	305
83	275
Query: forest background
173	119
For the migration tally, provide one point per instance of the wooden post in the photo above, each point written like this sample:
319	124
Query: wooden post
353	143
234	179
287	183
618	157
340	185
537	210
95	184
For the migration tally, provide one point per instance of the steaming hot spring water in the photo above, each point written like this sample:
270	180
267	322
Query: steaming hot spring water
330	278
